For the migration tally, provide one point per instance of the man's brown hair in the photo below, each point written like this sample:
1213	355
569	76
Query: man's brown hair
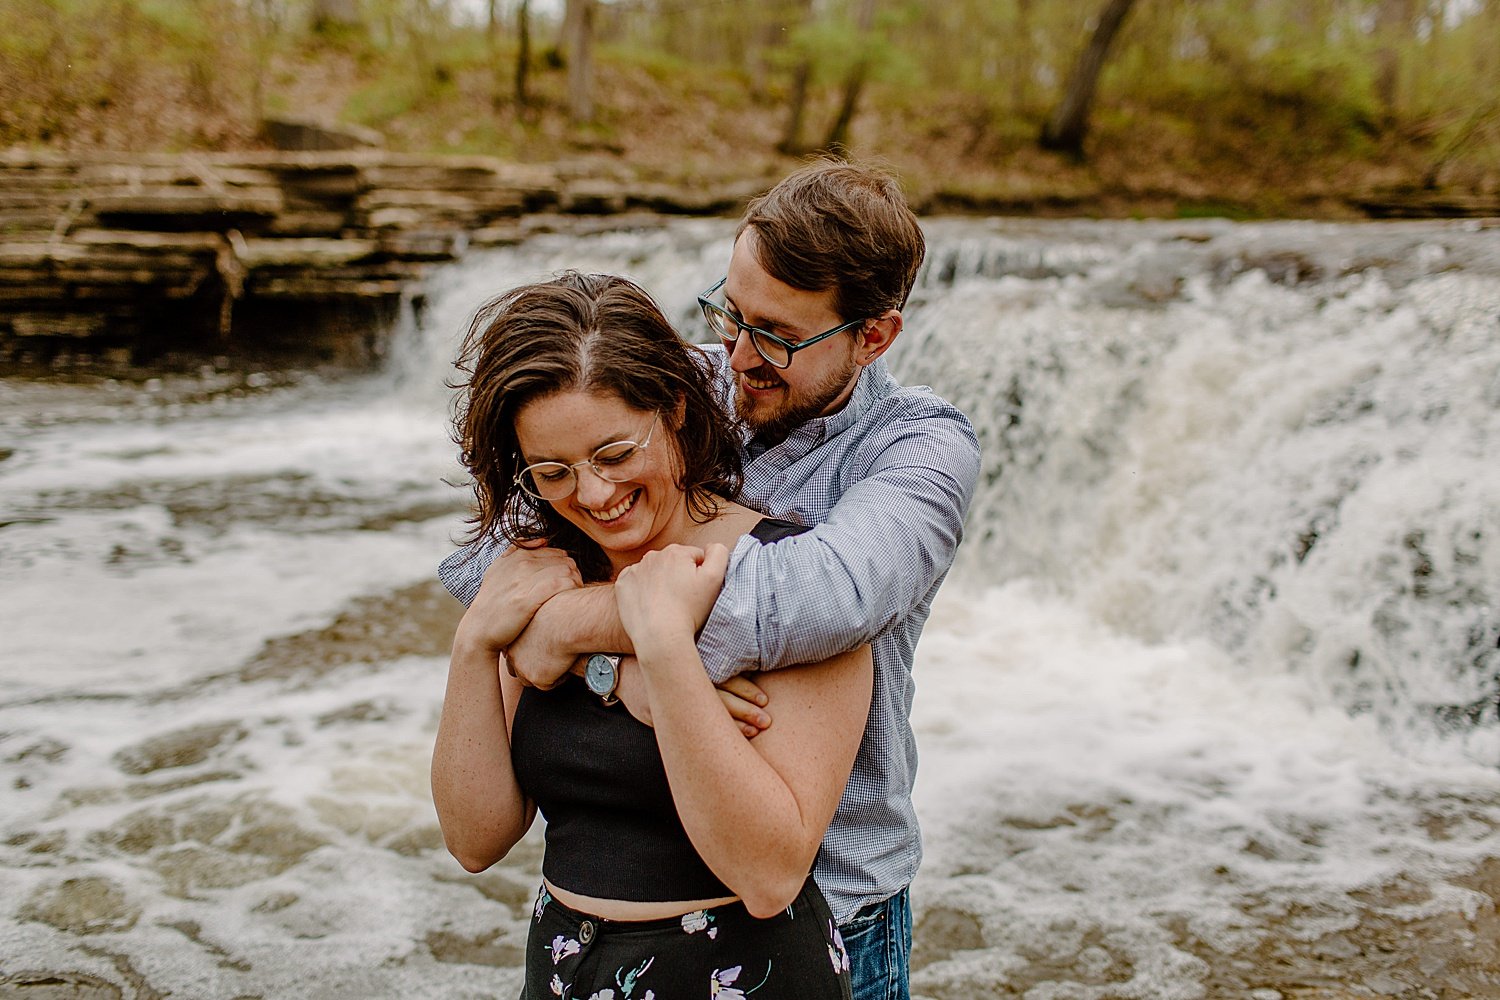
839	226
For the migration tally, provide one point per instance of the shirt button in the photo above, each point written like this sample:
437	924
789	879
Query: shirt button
586	932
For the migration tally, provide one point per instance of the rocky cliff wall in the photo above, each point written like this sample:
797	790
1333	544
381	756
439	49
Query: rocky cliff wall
293	257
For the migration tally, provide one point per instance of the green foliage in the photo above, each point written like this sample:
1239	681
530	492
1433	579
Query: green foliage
387	98
835	46
73	66
1303	99
1215	82
660	64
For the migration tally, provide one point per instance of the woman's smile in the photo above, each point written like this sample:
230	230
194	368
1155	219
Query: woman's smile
619	510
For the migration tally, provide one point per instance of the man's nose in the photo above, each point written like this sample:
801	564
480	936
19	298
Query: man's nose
743	356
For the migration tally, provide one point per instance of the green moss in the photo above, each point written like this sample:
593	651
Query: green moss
1215	210
378	103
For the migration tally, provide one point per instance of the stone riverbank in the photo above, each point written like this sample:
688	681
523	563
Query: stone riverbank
121	261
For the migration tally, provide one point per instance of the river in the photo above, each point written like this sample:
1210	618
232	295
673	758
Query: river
1207	708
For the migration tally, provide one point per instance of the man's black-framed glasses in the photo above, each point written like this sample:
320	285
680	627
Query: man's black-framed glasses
615	462
775	351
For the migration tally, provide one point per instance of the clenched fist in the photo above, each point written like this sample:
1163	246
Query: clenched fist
516	584
670	592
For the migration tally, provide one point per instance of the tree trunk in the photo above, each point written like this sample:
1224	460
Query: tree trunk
334	16
1024	48
791	139
492	46
523	53
1069	123
419	39
773	35
578	40
267	25
837	139
1393	27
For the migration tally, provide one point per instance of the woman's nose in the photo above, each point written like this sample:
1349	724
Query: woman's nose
593	490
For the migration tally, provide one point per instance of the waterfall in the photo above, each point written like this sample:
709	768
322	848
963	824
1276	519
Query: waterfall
1273	437
1269	436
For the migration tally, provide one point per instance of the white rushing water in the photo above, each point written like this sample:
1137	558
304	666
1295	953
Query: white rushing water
1206	709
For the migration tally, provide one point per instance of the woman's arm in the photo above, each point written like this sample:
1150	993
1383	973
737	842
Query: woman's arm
757	811
480	806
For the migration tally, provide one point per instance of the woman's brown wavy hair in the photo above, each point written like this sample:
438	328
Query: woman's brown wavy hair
594	333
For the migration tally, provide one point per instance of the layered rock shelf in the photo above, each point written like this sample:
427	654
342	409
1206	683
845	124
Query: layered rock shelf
293	257
296	258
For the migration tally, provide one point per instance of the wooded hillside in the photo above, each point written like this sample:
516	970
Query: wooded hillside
1301	107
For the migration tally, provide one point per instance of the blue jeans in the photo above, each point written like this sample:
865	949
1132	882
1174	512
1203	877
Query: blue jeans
878	939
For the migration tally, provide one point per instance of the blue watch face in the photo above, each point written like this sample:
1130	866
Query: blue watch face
600	674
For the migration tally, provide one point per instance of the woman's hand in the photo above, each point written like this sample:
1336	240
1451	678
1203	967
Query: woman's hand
669	593
515	585
667	597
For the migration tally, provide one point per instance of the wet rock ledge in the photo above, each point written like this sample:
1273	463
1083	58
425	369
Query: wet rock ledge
273	257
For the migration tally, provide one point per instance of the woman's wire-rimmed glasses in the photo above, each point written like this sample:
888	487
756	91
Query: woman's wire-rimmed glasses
614	463
775	351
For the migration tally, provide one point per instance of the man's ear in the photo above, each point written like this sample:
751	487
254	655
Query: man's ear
877	336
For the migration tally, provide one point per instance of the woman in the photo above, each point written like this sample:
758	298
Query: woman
677	854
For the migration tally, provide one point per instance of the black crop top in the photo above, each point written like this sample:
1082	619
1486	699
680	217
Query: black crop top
597	777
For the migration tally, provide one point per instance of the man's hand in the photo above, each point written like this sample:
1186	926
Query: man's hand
746	703
516	584
744	700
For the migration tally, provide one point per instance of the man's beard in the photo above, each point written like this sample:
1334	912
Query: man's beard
772	425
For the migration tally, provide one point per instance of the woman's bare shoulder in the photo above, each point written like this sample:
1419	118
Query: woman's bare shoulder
732	522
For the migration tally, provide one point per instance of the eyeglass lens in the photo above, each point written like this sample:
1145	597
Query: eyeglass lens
613	463
729	331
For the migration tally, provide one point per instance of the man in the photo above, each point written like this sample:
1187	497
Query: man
822	265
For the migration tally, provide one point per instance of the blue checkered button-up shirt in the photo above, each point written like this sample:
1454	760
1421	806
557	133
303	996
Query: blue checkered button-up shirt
886	483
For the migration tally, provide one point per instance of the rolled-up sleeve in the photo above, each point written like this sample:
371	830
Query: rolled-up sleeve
887	540
462	571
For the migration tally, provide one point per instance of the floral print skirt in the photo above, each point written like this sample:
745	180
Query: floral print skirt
718	954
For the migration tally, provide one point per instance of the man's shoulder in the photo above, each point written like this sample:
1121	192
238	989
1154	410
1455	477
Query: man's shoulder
912	426
900	405
716	363
922	399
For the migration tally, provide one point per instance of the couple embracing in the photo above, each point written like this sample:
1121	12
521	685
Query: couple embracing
696	582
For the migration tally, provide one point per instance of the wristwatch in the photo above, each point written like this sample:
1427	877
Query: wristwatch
602	675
